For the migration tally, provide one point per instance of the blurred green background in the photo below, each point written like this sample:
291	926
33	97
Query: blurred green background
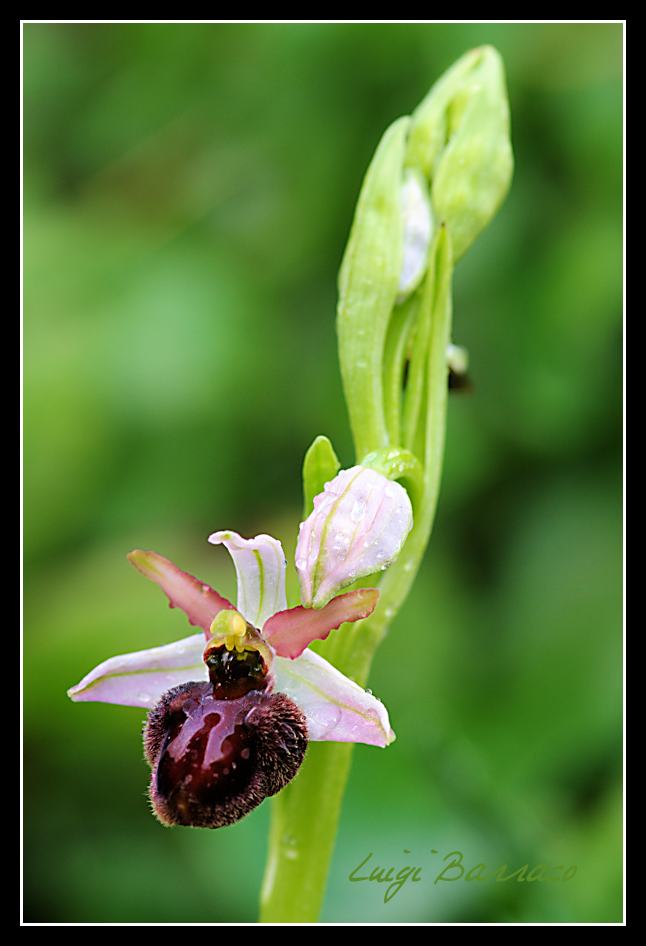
188	193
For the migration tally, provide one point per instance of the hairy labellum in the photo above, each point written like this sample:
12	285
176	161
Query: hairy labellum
213	761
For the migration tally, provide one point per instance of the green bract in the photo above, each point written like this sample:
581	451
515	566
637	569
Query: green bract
368	287
320	465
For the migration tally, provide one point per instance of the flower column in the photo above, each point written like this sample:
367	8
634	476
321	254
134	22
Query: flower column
435	181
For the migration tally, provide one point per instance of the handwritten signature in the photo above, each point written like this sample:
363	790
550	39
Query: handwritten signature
454	868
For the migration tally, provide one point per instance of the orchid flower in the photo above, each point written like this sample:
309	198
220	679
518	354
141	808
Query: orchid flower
233	707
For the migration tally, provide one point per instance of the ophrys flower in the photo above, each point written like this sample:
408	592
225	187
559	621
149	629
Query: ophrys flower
232	708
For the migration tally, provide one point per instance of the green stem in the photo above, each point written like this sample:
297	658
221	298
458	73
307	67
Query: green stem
305	815
417	371
395	352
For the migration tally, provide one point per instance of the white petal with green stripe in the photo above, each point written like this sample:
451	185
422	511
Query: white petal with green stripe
260	567
140	678
337	709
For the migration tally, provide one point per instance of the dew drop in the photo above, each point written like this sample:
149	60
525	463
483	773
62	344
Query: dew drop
358	511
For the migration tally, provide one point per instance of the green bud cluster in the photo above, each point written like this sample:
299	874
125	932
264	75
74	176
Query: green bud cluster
435	181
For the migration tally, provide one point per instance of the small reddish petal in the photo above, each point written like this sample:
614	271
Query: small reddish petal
289	632
198	601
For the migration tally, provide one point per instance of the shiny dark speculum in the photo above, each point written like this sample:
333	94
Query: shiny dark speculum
233	674
213	761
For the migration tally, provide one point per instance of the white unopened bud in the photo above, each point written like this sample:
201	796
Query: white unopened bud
418	232
358	527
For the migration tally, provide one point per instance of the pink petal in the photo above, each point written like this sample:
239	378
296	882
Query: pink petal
289	632
139	679
260	567
337	709
358	526
199	602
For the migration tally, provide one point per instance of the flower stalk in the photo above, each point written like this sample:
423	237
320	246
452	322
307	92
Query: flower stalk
394	332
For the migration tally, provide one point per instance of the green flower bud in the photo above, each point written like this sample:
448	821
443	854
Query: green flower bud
459	139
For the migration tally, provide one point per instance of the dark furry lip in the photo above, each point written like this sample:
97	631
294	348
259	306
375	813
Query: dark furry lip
213	761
